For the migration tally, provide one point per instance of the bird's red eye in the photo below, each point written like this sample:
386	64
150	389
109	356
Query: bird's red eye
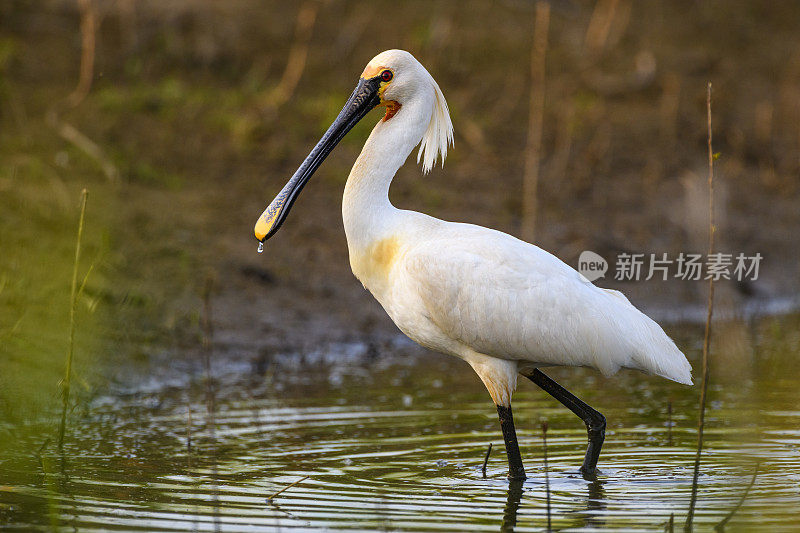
386	75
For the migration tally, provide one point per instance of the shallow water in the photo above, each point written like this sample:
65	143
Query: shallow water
396	442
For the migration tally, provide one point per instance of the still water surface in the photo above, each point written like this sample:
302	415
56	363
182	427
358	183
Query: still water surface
396	442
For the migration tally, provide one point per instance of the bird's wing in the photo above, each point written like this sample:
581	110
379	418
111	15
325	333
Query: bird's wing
504	297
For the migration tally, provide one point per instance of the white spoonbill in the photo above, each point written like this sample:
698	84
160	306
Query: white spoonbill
504	306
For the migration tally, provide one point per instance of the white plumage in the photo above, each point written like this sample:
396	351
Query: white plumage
503	305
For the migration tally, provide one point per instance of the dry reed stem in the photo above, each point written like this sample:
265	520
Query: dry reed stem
546	472
68	132
486	459
287	487
600	26
88	43
530	180
298	54
65	391
87	146
709	315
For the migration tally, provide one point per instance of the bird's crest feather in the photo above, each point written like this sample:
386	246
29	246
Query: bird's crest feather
439	135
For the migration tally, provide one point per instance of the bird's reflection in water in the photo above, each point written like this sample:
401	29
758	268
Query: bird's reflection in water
595	501
512	505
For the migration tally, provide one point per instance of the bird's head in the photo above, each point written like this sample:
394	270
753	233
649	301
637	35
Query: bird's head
400	77
390	79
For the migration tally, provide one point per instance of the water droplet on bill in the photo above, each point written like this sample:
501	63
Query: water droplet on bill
260	247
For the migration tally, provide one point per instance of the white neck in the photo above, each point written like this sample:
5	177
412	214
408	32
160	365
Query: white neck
368	215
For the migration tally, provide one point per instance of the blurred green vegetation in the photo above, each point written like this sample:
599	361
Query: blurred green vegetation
32	305
183	106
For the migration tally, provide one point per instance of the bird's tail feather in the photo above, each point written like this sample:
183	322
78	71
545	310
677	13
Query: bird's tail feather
652	350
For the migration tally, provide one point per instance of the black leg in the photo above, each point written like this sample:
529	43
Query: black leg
594	420
515	468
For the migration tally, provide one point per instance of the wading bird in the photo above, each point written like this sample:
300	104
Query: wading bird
504	306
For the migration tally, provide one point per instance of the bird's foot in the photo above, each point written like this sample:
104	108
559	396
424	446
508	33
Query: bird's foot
596	430
589	474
